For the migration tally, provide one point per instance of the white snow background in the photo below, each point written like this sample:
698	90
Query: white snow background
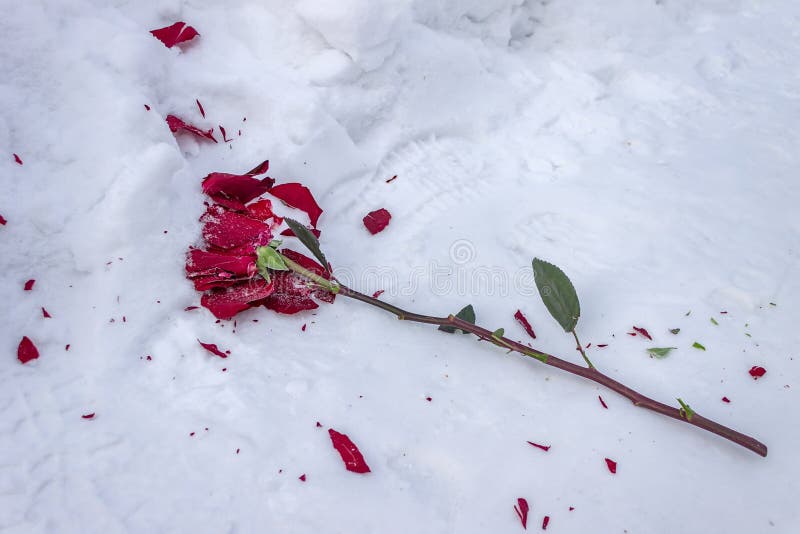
649	148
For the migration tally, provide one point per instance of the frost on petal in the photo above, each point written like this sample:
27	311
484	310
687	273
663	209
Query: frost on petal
212	269
298	196
235	190
522	512
377	220
175	124
213	349
351	456
227	229
521	319
227	302
29	285
175	34
612	465
757	372
27	351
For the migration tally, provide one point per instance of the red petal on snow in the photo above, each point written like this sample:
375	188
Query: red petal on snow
29	285
225	303
212	348
27	351
302	477
235	190
643	332
522	512
298	196
227	229
88	416
602	402
261	210
726	399
525	324
545	448
545	522
199	262
351	456
146	107
289	233
176	124
18	159
200	107
3	221
602	345
378	293
45	314
224	135
177	33
757	372
377	220
612	465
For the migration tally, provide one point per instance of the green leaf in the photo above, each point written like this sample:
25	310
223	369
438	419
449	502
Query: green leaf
558	294
698	346
714	321
269	259
467	314
660	352
308	239
500	332
748	335
675	331
686	410
275	243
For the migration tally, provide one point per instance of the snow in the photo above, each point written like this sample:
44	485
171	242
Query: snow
648	148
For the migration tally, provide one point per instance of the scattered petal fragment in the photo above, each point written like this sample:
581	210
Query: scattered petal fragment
302	477
200	107
521	319
726	400
522	512
45	314
29	285
175	124
213	349
18	159
377	220
298	196
545	448
757	372
545	522
643	332
3	221
351	456
27	351
612	465
88	416
177	33
602	402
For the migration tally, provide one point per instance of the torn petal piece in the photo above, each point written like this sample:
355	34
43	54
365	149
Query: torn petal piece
376	221
175	124
351	456
177	33
298	196
522	509
521	319
213	349
27	351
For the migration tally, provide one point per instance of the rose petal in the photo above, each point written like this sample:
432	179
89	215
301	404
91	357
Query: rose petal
302	477
27	351
213	349
545	522
726	399
236	190
202	262
45	314
757	372
224	135
18	159
88	416
378	293
377	220
261	210
227	229
545	448
525	324
643	332
351	456
175	34
612	465
3	220
225	303
602	402
298	196
522	512
176	124
200	106
29	285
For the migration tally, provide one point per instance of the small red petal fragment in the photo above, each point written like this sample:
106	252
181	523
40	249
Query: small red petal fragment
429	399
302	477
351	456
298	196
190	308
522	512
612	465
191	434
27	351
545	522
18	159
392	179
602	345
525	324
146	107
177	33
377	220
45	314
545	448
149	358
67	346
726	399
176	124
303	328
212	348
757	372
237	451
289	233
632	334
29	285
571	508
88	416
224	135
603	402
3	220
200	106
643	332
319	425
378	293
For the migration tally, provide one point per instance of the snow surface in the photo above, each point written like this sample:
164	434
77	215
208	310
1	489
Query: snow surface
649	148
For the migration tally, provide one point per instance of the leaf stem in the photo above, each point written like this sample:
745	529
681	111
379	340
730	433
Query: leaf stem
580	348
330	285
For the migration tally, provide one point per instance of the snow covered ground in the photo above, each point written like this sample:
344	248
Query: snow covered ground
648	147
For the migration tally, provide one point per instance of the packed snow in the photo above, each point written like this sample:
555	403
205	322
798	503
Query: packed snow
647	147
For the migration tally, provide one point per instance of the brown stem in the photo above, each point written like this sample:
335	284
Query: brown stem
589	373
